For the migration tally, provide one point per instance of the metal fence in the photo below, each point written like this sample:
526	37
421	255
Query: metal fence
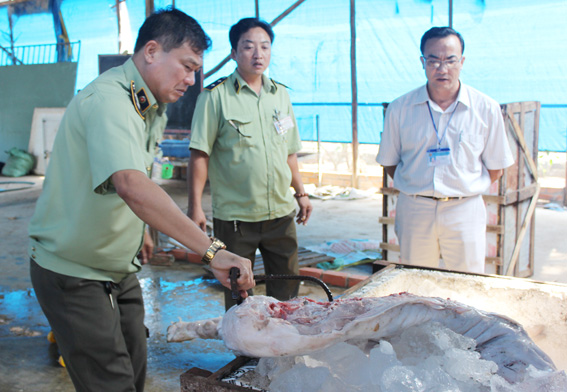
40	54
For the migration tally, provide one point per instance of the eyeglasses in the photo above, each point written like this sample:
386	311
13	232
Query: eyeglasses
435	63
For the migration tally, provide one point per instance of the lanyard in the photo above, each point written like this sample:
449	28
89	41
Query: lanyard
440	139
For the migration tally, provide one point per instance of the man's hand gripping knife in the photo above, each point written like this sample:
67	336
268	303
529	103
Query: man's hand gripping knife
223	263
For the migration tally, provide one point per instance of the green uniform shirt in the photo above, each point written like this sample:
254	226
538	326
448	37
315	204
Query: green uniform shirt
81	227
248	171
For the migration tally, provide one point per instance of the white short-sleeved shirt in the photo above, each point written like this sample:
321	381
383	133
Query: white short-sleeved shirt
472	127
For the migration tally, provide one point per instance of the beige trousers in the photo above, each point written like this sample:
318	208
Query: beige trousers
453	231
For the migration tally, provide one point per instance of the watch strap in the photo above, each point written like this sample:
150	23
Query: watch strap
216	245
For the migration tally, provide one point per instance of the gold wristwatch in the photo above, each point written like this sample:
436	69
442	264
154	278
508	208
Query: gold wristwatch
216	245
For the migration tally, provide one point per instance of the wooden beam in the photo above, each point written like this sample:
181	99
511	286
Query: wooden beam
522	233
217	67
522	142
520	194
389	191
11	55
495	199
509	198
493	260
390	247
274	22
498	229
12	2
286	12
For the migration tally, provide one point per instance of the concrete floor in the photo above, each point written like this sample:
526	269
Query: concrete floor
28	361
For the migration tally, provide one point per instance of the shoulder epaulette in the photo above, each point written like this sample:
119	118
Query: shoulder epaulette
139	99
215	84
275	81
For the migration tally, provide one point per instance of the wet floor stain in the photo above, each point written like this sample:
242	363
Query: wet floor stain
169	295
168	301
20	314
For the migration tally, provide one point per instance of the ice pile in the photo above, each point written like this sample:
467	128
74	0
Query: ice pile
424	358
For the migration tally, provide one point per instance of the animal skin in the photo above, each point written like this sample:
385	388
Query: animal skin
265	327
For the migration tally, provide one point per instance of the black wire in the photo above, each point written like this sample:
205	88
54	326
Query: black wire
234	273
258	278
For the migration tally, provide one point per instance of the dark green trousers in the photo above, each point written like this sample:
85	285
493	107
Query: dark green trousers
277	241
104	347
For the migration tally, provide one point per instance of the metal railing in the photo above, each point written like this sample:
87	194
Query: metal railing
40	54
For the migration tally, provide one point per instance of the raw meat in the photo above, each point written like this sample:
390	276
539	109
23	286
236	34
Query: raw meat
203	329
265	327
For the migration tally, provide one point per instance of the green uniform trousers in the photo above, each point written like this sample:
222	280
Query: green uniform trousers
277	241
103	344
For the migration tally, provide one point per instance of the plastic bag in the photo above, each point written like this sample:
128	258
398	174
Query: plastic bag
19	163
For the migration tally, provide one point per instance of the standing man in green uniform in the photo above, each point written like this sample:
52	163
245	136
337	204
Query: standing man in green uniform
97	197
244	137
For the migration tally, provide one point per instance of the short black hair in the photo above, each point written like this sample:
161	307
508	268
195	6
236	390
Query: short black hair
246	24
441	32
172	28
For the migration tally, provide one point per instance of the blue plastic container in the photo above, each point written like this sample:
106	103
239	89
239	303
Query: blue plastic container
175	148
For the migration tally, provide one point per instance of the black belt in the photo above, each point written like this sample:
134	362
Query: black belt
444	198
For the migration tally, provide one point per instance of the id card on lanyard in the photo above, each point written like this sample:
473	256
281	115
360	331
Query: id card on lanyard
439	156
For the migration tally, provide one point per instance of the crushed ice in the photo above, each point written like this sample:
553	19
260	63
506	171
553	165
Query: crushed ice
426	358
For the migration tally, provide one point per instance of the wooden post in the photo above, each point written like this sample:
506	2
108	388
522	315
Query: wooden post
520	185
117	5
149	7
319	156
354	94
11	35
451	13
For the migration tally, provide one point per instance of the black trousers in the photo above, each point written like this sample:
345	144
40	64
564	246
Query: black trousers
103	344
277	241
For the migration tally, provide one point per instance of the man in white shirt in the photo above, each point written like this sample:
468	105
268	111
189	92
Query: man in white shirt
443	143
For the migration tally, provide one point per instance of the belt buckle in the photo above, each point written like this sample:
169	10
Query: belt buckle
443	198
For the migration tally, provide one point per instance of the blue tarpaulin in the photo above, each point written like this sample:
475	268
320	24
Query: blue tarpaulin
515	50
